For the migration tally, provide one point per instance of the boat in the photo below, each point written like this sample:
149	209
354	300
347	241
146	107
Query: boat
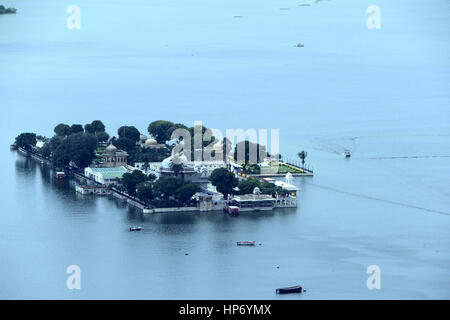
347	153
232	210
294	289
13	147
136	228
60	174
246	243
299	45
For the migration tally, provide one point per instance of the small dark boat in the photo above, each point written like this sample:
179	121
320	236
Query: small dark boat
246	243
347	153
295	289
135	228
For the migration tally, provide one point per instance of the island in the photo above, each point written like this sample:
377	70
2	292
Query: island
4	10
160	173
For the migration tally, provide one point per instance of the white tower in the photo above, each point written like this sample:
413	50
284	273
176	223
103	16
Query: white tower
289	178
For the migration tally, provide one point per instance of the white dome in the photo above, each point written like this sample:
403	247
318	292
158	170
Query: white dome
150	142
167	162
256	191
110	149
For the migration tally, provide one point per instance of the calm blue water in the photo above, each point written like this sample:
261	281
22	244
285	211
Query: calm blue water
384	94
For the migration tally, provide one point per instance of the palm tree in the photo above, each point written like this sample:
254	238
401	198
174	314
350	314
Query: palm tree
302	155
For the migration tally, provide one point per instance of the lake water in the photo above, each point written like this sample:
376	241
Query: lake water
384	94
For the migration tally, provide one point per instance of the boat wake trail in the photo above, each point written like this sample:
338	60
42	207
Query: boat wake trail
407	205
328	146
404	157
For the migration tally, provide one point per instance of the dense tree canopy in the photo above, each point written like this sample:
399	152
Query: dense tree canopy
184	193
173	191
129	132
78	148
62	130
248	185
125	143
223	180
95	127
26	140
207	139
131	180
249	149
144	192
162	129
102	136
76	128
165	187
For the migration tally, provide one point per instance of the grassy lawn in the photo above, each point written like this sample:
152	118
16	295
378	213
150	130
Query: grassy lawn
285	169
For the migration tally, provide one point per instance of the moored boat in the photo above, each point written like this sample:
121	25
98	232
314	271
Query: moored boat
246	243
232	210
294	289
60	174
136	228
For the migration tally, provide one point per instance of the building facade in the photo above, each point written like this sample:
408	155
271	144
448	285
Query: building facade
105	175
113	157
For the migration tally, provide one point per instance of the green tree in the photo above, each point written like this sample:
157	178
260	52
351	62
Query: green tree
270	188
302	155
247	186
76	128
62	130
129	132
78	148
98	126
131	180
207	139
144	192
126	144
165	187
248	155
26	140
45	150
102	136
88	128
184	193
161	130
223	180
55	142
